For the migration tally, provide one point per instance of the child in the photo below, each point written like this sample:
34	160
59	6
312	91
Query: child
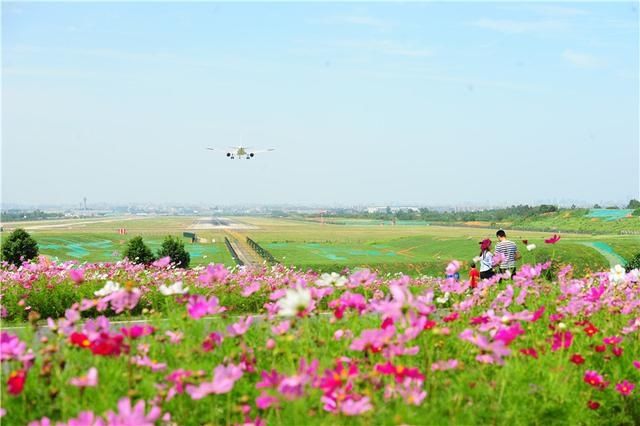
474	275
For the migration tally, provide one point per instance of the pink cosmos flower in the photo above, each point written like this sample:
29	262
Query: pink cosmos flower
86	418
145	361
175	337
90	380
223	380
212	341
529	352
349	406
594	379
553	239
625	388
213	273
445	365
265	401
198	306
281	328
250	289
400	372
76	275
452	267
241	327
138	330
561	340
612	340
133	416
163	262
509	334
636	364
412	391
122	300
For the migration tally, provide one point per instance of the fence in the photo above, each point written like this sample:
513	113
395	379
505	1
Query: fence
263	253
233	252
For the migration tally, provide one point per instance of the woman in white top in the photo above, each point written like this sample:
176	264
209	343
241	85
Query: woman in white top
486	259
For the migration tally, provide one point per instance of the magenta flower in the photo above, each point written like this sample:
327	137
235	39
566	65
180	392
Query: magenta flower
133	416
553	239
137	331
90	380
561	340
594	379
625	388
636	364
265	401
612	340
212	341
509	334
76	275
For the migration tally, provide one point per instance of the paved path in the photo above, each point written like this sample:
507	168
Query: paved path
605	250
243	250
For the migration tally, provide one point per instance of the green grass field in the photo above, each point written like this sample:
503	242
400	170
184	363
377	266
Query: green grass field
415	248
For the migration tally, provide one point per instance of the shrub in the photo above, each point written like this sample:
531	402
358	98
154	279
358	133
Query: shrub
174	248
634	263
138	252
18	247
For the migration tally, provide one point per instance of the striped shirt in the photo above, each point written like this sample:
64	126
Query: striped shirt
509	250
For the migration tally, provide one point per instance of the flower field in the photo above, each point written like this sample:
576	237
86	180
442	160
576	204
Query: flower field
122	344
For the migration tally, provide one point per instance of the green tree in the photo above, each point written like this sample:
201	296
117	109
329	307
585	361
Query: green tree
18	247
174	248
633	204
138	252
634	263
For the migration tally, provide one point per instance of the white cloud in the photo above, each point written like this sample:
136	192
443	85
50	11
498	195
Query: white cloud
582	60
517	27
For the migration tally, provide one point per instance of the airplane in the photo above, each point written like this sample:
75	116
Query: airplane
242	151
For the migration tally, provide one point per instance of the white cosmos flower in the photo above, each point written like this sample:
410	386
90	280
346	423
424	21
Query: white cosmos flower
295	301
332	279
109	287
531	247
617	274
175	288
443	299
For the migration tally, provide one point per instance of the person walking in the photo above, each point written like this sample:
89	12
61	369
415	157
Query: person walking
486	259
509	252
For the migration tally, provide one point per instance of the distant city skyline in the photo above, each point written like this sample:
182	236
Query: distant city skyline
366	103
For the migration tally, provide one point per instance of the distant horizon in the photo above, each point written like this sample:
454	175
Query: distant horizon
99	205
364	103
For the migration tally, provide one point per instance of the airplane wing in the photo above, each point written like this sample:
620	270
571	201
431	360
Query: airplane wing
211	149
262	150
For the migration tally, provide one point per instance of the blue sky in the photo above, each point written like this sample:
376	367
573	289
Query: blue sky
429	103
